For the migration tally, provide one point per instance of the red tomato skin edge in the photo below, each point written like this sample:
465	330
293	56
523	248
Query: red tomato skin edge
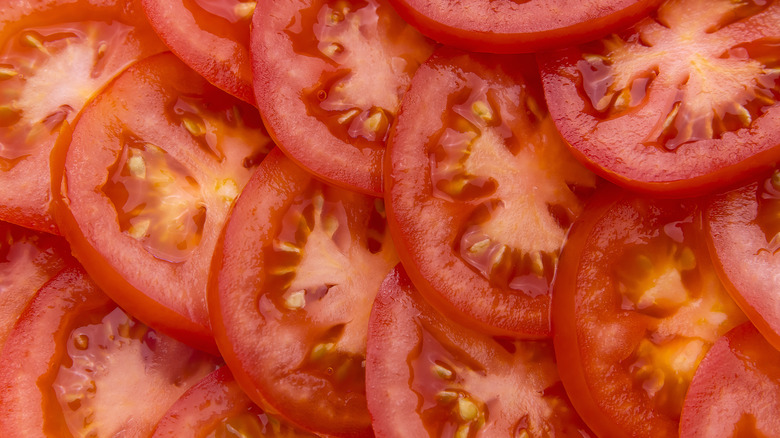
123	292
562	316
505	43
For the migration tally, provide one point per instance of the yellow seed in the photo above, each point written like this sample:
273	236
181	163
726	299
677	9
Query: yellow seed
522	434
102	49
245	10
284	270
296	300
479	247
672	115
330	224
7	73
139	228
482	110
81	342
137	166
467	409
743	114
446	397
227	189
687	259
335	17
286	247
333	49
498	257
463	431
442	371
593	58
194	127
320	350
375	121
623	100
349	115
533	106
537	264
33	41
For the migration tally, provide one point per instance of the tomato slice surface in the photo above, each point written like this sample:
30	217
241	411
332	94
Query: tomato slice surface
329	77
55	56
210	36
636	306
736	390
428	376
511	26
481	191
743	229
296	274
681	104
77	365
150	174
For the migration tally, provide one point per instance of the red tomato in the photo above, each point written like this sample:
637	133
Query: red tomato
77	365
636	306
683	103
511	26
154	165
217	407
54	57
28	259
427	376
481	191
211	36
736	390
295	277
329	76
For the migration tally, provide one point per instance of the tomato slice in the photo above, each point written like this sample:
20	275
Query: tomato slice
28	259
77	365
297	272
481	191
210	36
428	376
217	407
329	76
743	229
511	26
736	390
41	44
683	103
636	306
152	170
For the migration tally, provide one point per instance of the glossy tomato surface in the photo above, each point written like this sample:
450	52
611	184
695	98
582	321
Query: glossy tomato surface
77	365
153	167
294	280
481	191
428	376
511	26
54	57
681	104
329	77
636	306
736	390
210	36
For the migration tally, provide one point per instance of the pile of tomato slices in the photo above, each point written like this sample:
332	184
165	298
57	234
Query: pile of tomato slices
390	218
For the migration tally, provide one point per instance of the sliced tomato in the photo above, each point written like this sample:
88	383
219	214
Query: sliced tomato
481	191
295	276
54	57
636	306
210	36
511	26
329	77
736	390
217	407
681	104
428	376
28	259
77	365
154	166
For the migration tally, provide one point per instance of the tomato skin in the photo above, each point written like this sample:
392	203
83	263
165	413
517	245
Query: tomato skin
509	27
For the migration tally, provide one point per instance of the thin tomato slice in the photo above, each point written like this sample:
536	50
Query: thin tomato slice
54	57
210	36
77	365
511	26
217	407
153	167
683	103
428	376
481	191
736	390
295	278
636	306
329	76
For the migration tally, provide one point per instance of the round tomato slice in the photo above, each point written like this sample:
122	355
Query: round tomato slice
481	191
743	227
736	390
681	104
153	167
428	376
329	77
217	407
77	365
635	308
511	26
211	36
54	57
296	274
